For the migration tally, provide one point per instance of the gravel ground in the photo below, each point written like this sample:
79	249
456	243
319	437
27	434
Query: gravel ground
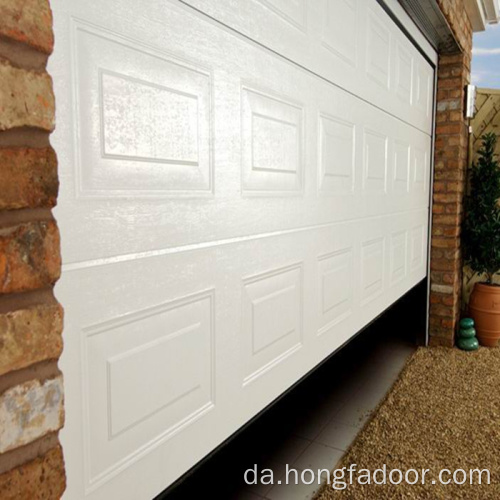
443	412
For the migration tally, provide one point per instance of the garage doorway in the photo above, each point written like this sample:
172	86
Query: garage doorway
242	191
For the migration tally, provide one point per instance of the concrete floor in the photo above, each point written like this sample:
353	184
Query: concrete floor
313	425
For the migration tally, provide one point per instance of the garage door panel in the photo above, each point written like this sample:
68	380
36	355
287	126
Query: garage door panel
324	254
300	137
294	12
270	155
398	248
339	30
153	371
337	155
272	142
335	287
178	356
145	358
352	43
144	120
229	219
272	311
378	49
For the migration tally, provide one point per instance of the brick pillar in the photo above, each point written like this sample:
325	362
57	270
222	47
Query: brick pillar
31	390
449	182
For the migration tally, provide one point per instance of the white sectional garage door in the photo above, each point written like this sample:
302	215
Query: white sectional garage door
244	186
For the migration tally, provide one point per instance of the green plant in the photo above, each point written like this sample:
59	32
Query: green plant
481	228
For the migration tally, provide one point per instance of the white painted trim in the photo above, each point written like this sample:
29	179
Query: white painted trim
482	12
491	9
475	11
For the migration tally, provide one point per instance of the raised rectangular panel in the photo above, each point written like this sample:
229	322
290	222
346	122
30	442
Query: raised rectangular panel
335	271
401	179
292	11
378	50
404	73
337	157
372	269
272	144
340	29
423	87
375	161
162	356
398	256
143	119
149	122
417	247
270	140
272	319
147	375
421	169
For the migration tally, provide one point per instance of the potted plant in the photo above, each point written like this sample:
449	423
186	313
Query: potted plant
481	241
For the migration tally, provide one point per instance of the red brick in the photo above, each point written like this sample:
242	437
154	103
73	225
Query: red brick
448	129
442	94
40	479
436	298
443	265
441	310
455	187
30	335
439	187
442	117
437	253
29	256
444	242
29	22
445	198
437	230
450	278
454	208
448	323
449	83
437	208
449	300
28	178
26	99
451	231
454	254
436	341
450	220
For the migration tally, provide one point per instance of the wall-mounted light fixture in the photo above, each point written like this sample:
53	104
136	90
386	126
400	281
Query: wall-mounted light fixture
470	101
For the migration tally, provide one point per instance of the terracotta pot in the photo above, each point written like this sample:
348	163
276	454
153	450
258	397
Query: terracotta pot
484	307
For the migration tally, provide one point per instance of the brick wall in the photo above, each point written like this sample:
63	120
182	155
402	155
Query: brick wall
449	178
31	390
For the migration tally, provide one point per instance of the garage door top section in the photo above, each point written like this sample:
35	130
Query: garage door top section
350	43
